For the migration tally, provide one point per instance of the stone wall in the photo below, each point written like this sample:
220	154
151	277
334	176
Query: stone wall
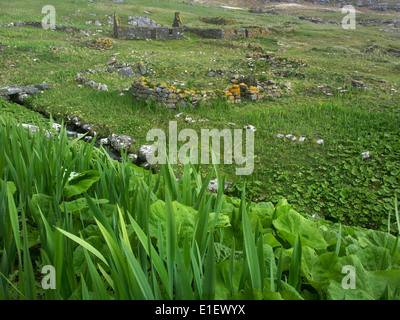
173	98
143	33
229	33
169	95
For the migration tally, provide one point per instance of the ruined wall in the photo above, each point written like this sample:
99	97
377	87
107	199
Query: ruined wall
169	95
143	33
208	33
173	98
229	33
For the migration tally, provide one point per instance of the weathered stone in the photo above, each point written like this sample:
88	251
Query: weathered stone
133	157
177	21
126	72
43	86
142	21
105	141
357	84
87	127
34	129
145	165
365	155
142	68
146	153
56	126
145	29
250	127
213	186
119	142
76	121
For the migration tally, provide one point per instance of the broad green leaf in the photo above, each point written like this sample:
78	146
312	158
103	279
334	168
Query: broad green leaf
44	202
376	239
81	183
290	223
270	240
320	269
79	204
363	281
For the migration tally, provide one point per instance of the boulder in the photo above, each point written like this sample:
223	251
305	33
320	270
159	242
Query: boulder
119	142
34	129
146	153
126	72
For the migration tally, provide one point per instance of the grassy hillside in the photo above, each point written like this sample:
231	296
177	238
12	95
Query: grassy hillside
115	231
330	180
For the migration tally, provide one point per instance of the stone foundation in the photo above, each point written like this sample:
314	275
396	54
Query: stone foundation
143	33
173	98
170	96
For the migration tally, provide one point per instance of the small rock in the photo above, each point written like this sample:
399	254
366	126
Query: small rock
146	153
213	186
250	127
87	127
142	68
365	155
34	129
57	126
76	121
43	86
133	157
357	84
105	142
88	138
145	165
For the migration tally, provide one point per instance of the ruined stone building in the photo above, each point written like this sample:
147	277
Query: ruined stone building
145	28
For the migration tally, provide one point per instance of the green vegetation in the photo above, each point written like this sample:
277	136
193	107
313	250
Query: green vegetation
113	230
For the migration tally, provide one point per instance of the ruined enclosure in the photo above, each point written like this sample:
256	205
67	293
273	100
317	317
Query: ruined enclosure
145	32
228	33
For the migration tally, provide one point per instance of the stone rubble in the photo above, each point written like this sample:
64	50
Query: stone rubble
20	93
213	186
